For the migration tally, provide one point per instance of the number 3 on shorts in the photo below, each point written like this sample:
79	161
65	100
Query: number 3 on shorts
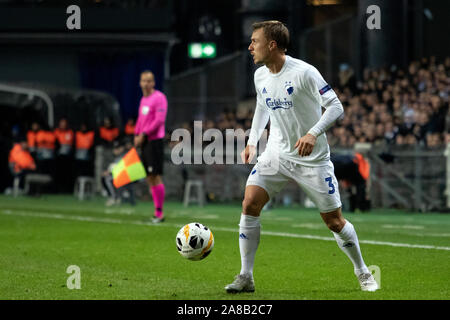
330	184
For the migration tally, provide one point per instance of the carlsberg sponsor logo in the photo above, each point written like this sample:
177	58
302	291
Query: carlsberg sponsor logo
278	103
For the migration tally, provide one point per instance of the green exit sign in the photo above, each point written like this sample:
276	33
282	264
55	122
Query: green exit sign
201	50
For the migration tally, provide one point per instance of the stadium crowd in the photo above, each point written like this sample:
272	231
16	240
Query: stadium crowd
400	107
389	106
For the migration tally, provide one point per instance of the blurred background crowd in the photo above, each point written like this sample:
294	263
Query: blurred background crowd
66	93
390	106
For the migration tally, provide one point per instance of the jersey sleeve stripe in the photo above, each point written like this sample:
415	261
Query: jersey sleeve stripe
325	89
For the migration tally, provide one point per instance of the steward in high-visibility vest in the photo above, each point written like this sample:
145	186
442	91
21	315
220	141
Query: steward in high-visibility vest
64	137
363	165
31	137
84	141
129	127
107	132
84	146
20	158
353	172
64	177
45	145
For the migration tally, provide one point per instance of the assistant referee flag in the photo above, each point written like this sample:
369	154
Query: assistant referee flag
128	169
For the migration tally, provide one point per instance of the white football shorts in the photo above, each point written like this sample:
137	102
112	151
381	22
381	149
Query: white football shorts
319	183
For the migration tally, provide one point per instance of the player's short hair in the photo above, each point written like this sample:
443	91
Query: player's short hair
274	30
147	71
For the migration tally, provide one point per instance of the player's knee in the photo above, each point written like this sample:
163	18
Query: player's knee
335	225
251	206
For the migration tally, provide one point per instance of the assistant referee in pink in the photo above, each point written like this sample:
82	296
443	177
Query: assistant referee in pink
149	134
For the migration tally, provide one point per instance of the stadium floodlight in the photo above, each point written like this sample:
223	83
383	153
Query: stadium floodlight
202	50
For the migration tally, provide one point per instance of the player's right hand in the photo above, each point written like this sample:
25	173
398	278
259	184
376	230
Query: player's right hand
248	154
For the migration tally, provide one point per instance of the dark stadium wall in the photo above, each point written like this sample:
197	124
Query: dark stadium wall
96	15
388	45
119	74
436	28
428	28
42	65
410	30
116	73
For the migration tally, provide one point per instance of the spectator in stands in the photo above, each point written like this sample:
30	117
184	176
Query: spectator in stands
209	125
241	117
108	132
447	138
433	140
422	126
64	178
389	107
406	139
390	131
84	151
346	77
188	126
408	104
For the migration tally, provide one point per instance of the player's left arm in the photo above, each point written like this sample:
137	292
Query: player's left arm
320	91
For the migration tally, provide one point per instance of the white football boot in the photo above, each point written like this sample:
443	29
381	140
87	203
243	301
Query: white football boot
367	282
241	283
156	220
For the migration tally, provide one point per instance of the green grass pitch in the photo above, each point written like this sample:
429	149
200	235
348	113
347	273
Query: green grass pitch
122	257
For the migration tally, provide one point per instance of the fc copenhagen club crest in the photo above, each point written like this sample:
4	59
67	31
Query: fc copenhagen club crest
289	88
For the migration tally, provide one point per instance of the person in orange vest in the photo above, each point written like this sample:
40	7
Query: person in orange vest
108	133
20	160
45	151
84	145
64	159
354	172
31	138
64	136
129	127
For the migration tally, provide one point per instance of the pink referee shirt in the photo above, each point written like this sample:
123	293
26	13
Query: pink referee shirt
152	116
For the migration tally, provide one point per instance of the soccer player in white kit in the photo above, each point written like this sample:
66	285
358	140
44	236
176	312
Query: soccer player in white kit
291	93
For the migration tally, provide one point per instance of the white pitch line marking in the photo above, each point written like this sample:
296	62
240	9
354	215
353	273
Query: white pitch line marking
393	226
270	233
437	235
281	218
206	216
317	226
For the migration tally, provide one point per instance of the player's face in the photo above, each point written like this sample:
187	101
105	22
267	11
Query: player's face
259	47
147	83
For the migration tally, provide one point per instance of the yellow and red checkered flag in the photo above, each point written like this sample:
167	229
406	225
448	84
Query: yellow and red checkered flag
128	169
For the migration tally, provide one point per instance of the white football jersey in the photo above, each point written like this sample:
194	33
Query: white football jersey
293	100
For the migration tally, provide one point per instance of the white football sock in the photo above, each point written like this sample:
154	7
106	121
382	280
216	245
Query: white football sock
249	235
347	240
